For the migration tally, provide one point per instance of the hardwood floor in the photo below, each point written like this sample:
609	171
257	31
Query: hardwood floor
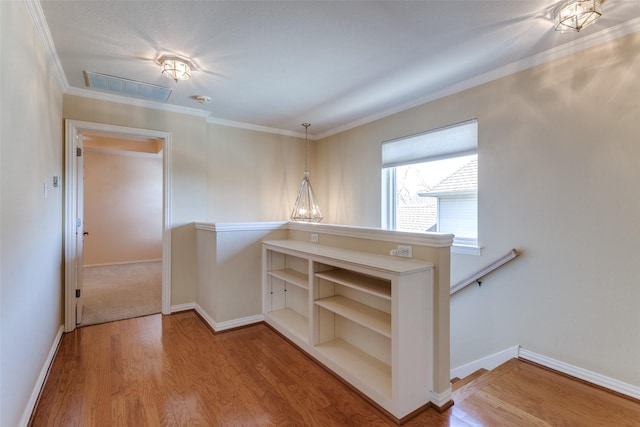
173	371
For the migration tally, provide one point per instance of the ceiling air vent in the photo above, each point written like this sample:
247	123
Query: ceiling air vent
127	87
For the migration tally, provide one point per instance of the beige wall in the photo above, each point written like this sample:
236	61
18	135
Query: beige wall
122	207
31	225
558	171
558	166
253	176
230	271
218	174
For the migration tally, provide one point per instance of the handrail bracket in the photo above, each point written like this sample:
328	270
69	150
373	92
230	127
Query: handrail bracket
475	277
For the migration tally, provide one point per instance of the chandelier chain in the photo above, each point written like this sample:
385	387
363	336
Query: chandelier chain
306	147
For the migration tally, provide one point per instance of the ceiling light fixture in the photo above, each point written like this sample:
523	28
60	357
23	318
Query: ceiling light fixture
306	208
175	68
574	15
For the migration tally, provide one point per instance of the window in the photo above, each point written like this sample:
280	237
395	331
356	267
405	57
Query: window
430	182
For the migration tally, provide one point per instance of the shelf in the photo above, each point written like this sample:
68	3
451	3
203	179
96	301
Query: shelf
338	256
292	321
369	317
371	285
291	276
361	366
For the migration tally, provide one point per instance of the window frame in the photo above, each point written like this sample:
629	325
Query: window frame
464	245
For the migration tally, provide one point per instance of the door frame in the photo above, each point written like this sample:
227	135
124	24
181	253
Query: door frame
73	130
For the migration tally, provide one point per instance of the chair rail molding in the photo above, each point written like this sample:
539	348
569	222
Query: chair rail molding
239	226
439	240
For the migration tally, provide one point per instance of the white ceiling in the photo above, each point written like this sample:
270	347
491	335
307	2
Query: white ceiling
335	64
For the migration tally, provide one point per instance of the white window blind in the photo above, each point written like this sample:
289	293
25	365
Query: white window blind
450	141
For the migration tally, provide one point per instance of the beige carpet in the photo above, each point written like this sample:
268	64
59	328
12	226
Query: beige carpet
117	292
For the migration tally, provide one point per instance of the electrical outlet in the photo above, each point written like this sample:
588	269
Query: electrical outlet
393	252
314	238
405	251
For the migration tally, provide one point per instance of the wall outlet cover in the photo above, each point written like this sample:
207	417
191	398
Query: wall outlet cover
405	251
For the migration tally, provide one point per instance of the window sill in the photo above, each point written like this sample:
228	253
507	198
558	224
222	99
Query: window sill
466	249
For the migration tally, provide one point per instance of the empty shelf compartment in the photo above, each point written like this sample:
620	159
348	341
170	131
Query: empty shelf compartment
364	315
291	276
292	321
371	285
360	366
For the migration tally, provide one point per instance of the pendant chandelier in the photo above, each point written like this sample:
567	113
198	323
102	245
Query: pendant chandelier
306	208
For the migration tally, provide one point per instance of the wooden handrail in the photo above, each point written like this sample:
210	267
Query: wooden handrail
475	277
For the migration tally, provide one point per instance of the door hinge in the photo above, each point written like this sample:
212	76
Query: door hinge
78	152
77	293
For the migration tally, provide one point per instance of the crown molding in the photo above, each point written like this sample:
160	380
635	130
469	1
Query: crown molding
629	27
42	29
258	128
103	96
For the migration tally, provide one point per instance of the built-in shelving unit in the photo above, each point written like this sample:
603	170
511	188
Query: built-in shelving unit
287	293
366	317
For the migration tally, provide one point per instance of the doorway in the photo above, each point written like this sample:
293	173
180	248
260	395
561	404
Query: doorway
122	244
87	141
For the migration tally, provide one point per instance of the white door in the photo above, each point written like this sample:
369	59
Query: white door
80	233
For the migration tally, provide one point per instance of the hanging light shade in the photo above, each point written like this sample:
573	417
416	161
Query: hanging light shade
574	15
175	68
306	208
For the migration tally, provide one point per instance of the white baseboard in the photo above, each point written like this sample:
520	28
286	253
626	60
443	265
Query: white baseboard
236	323
107	264
497	359
583	374
489	362
33	399
229	324
441	399
183	307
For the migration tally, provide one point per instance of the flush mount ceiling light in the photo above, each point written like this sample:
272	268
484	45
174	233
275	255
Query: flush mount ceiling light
574	15
175	68
306	208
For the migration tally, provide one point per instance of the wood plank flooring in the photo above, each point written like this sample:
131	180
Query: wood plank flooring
173	371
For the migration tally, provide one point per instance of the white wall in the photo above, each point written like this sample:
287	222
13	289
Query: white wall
558	170
31	225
